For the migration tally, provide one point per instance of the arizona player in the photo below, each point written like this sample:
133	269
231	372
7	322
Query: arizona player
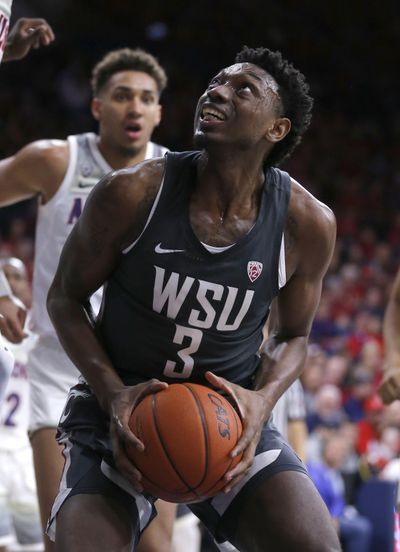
127	85
19	511
25	34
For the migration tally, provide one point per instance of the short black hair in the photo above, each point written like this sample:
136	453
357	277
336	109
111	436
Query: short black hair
294	93
127	59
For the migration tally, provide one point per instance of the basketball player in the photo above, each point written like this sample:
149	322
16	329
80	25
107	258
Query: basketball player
127	85
390	387
190	248
26	34
19	511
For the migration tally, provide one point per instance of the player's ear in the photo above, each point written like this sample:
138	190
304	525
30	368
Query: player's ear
96	107
278	129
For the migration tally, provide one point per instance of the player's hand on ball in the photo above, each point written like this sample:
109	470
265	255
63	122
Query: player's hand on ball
121	435
389	389
251	406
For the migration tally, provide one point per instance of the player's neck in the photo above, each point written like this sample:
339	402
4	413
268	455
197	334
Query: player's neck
236	176
119	158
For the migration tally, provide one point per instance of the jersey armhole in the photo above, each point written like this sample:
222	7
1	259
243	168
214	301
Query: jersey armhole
282	264
157	199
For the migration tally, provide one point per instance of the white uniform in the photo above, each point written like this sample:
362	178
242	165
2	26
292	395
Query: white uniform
5	12
50	370
19	512
289	407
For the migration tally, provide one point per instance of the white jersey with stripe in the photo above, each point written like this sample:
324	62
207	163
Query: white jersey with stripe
5	13
57	217
290	407
14	410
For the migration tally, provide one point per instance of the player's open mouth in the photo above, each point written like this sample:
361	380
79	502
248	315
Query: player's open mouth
209	113
133	130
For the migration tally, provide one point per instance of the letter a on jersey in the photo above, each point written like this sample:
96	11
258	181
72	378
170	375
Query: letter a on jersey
254	269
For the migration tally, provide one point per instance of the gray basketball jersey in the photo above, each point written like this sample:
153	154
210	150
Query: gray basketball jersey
173	309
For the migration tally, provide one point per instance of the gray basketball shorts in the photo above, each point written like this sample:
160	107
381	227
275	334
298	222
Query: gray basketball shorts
89	470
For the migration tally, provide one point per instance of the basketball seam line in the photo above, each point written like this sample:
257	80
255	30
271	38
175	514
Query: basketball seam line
157	427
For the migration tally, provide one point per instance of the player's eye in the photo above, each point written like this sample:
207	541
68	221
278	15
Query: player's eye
213	83
245	87
148	99
121	96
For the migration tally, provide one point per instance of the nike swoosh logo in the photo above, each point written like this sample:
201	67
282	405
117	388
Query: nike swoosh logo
159	249
64	416
87	182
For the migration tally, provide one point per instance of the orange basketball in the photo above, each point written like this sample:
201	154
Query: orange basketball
188	431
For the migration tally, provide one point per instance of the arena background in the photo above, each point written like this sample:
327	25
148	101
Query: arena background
350	157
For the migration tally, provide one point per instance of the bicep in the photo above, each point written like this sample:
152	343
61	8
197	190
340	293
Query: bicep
298	300
295	306
91	251
13	187
113	216
37	169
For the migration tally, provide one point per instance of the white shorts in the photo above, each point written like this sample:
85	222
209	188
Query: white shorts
51	375
19	511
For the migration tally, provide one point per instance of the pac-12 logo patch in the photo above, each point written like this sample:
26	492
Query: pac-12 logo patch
254	269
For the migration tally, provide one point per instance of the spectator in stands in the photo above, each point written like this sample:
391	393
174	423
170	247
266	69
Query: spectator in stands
355	531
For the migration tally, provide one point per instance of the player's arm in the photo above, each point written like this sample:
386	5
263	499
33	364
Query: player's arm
27	33
390	387
285	350
113	217
37	169
12	312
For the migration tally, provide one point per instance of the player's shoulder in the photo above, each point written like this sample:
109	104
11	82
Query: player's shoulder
48	147
138	178
310	231
129	190
309	213
48	155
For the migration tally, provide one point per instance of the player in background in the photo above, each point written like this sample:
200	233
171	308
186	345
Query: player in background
289	415
390	386
19	511
26	34
127	85
190	247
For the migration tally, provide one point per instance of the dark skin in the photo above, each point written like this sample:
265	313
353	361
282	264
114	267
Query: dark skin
27	33
390	386
238	121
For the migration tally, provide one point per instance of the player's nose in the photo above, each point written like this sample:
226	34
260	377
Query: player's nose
135	107
221	92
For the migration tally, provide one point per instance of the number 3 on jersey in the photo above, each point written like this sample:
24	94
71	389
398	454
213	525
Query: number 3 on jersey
174	369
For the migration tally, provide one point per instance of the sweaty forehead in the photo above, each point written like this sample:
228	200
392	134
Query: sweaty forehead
253	71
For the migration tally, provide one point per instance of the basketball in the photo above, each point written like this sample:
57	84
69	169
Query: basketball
188	431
